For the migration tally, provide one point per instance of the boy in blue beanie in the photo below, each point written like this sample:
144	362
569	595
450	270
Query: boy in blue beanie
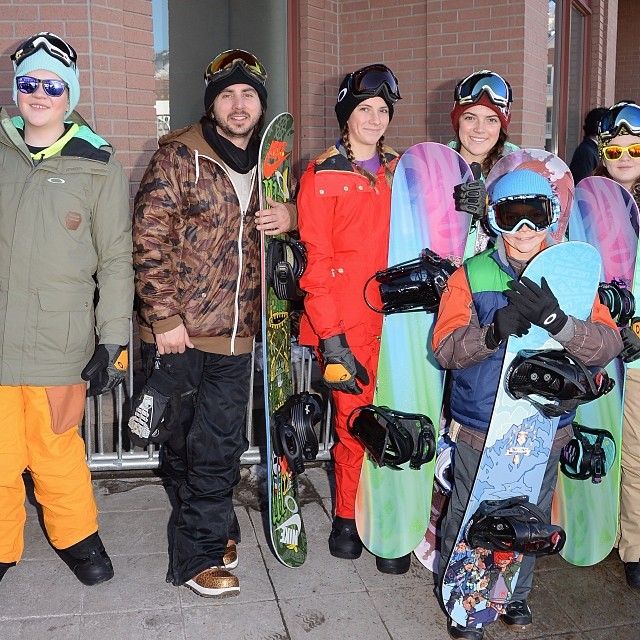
473	325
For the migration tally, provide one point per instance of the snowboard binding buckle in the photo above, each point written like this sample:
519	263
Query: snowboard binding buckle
294	437
514	524
286	262
392	437
415	285
555	375
619	300
589	455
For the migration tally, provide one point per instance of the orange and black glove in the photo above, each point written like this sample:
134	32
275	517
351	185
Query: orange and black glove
340	366
106	369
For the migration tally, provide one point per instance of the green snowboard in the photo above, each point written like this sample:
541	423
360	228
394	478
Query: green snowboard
288	537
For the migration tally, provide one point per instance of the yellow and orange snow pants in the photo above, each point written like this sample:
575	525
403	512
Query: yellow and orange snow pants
39	432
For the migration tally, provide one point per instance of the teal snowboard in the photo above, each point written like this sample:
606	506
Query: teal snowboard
478	583
605	215
392	506
288	537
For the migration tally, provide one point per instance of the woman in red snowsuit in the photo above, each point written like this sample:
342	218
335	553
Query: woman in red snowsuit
344	207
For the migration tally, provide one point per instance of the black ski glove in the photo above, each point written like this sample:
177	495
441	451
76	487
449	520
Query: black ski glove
537	304
630	341
471	197
106	369
148	423
340	366
507	321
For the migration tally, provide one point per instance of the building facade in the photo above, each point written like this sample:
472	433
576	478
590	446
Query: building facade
562	58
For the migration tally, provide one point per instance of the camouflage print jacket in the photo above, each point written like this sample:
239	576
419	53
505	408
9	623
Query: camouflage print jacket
196	254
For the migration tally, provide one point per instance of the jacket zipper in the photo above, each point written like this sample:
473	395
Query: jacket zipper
236	301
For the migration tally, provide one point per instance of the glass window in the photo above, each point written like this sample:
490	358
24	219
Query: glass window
160	16
551	135
209	27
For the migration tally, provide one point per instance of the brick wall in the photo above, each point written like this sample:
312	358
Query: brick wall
628	52
506	36
338	37
114	42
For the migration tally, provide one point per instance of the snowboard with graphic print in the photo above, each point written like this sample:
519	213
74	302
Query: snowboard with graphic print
392	507
605	215
288	537
478	583
557	172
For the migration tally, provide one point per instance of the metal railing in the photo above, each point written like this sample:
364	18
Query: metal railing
104	425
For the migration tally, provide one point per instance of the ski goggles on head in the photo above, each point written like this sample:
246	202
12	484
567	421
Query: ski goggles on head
54	45
622	116
228	61
470	90
53	88
370	80
614	151
537	211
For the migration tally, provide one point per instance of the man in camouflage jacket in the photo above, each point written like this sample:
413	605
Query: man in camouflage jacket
197	260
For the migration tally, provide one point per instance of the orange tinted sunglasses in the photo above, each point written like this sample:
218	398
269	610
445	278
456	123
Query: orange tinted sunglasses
614	151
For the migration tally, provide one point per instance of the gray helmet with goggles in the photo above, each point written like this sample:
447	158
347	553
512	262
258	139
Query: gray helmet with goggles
522	197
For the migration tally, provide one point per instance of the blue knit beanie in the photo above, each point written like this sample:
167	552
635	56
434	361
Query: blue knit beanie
521	182
42	60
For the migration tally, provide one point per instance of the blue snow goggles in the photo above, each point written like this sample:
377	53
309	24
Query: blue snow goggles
54	45
471	89
510	214
622	117
228	61
53	88
370	81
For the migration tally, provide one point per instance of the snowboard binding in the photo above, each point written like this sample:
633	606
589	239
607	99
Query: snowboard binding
392	438
514	524
555	375
415	285
589	455
286	262
294	437
619	300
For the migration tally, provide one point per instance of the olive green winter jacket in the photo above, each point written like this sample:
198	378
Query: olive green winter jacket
65	256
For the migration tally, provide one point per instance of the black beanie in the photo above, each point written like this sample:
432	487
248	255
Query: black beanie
237	76
347	102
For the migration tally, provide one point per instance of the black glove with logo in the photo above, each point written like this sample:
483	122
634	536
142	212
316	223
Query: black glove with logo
507	321
471	197
537	304
148	424
106	369
631	341
340	366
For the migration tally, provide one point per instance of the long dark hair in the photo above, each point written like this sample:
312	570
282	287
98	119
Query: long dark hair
493	156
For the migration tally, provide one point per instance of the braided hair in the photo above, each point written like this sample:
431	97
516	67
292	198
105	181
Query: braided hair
344	139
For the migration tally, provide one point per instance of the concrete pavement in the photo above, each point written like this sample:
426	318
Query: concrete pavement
326	599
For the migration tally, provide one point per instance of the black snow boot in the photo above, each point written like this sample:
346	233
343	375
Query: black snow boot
395	566
517	615
88	560
632	573
463	633
344	541
4	567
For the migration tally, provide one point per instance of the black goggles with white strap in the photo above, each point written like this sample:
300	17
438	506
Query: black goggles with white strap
54	45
